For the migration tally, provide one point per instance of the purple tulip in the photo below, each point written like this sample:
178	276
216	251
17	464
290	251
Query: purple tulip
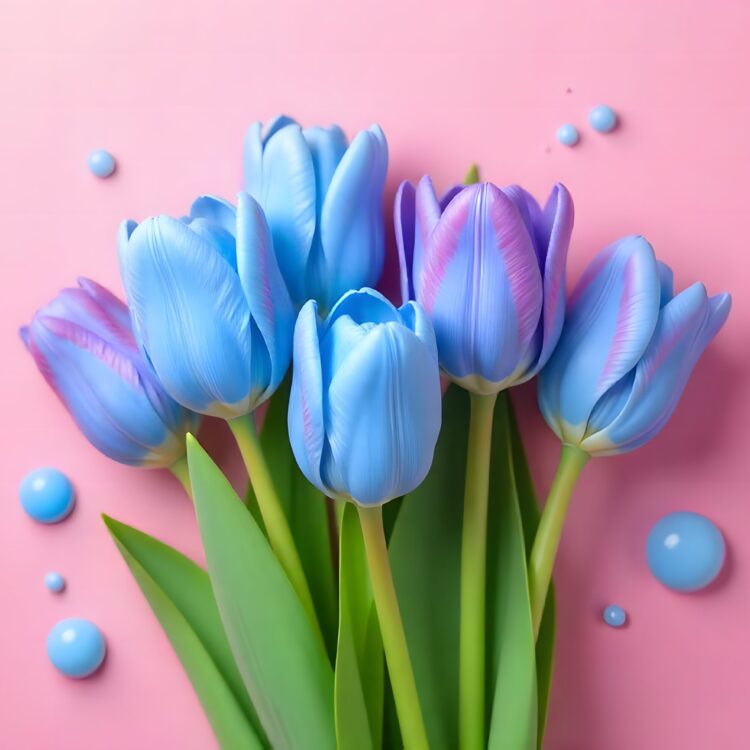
488	266
84	347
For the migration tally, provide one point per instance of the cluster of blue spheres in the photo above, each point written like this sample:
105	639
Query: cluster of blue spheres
602	118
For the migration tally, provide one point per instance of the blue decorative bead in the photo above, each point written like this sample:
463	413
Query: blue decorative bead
567	135
101	163
685	551
47	495
76	647
614	615
54	582
603	118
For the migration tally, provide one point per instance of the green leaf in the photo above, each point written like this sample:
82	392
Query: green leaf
511	656
359	655
306	509
282	662
180	596
425	551
529	506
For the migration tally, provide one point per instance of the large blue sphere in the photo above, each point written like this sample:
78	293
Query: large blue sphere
76	647
47	495
602	118
685	551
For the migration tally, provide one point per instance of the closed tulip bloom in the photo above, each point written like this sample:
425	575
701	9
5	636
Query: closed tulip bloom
209	306
84	347
364	413
323	199
488	265
627	350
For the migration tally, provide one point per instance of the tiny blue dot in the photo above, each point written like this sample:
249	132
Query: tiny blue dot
614	615
685	551
76	647
54	582
47	495
101	163
567	135
602	118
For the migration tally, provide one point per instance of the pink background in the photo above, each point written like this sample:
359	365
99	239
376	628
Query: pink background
169	89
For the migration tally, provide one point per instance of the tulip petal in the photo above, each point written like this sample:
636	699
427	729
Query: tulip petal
383	416
216	210
255	138
306	426
364	306
416	320
265	291
666	282
404	222
113	308
191	316
103	391
611	317
351	225
685	327
427	213
288	201
482	286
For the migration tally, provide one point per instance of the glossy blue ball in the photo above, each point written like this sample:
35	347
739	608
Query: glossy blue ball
602	118
54	582
76	647
567	135
614	615
685	551
47	495
101	163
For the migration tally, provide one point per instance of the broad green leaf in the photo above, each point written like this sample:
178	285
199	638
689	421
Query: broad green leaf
306	509
529	506
511	688
425	551
282	662
180	596
359	655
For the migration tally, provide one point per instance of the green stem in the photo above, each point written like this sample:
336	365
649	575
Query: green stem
474	574
392	631
279	534
547	539
180	470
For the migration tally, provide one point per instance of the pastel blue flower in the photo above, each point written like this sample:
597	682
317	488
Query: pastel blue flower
209	306
83	345
627	350
323	199
364	413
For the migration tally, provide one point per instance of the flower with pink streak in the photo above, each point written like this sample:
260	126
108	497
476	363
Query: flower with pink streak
627	350
488	265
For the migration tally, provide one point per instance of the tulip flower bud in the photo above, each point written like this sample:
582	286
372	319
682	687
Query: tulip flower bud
209	305
364	412
488	266
323	200
83	344
626	351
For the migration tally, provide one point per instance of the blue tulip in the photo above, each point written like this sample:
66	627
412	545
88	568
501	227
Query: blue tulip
627	350
488	265
364	413
323	200
83	344
209	306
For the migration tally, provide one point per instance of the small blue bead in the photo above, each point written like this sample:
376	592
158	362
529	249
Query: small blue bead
685	551
47	495
101	163
614	615
567	135
603	118
54	582
76	647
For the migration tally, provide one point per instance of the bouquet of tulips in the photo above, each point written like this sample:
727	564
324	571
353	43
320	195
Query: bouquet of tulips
385	582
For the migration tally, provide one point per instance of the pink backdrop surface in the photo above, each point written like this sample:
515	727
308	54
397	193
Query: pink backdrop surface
169	87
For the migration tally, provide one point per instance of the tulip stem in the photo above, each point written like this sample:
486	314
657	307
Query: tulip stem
474	574
180	471
547	539
396	650
279	534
